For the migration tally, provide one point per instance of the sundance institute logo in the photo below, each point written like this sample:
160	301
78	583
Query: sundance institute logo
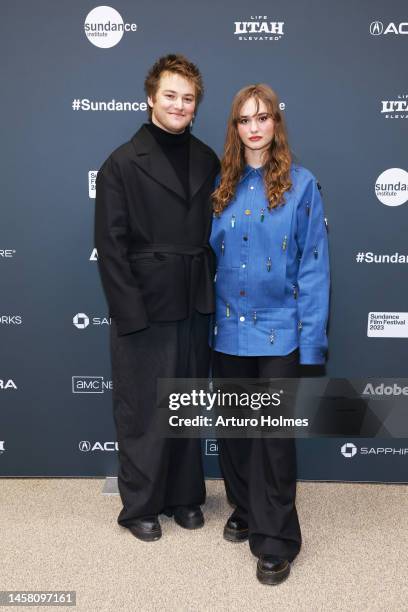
104	27
391	187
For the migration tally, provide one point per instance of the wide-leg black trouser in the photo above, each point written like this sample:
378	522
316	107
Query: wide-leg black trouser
260	473
156	472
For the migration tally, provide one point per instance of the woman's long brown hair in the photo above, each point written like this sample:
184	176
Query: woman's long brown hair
277	158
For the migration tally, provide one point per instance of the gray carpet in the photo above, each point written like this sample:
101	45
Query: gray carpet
62	534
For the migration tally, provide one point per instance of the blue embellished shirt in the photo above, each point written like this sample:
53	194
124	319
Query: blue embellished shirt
272	279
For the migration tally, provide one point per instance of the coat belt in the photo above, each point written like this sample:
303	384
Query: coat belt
199	268
176	249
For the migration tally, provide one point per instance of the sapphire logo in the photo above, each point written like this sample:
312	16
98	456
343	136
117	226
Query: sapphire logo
94	255
349	450
81	320
7	253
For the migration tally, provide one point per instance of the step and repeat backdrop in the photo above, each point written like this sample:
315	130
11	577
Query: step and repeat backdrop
73	91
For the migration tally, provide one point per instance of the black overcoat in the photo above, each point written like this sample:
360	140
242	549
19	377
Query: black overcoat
152	239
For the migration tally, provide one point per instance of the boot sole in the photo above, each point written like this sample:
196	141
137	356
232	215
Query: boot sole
273	577
146	537
233	535
194	523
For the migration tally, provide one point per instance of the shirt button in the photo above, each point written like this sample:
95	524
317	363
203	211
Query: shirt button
242	292
243	266
242	319
245	238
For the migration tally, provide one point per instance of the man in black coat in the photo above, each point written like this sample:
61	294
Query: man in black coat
152	225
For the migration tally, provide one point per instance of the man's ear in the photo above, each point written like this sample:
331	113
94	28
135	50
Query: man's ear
150	101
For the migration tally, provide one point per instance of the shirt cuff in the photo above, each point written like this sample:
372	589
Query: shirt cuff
312	355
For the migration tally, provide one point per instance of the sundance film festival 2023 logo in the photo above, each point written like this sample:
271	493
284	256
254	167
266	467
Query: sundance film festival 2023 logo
104	27
395	109
259	28
92	174
391	187
387	325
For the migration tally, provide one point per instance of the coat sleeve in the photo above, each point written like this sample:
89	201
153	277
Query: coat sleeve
111	240
313	276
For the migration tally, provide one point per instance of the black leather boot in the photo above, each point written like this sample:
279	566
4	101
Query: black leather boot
271	571
189	517
146	528
235	529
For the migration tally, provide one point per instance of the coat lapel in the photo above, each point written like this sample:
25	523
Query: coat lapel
201	164
151	159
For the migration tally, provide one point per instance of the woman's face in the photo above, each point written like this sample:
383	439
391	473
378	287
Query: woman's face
255	128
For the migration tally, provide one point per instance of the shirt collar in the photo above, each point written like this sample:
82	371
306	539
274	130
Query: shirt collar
249	170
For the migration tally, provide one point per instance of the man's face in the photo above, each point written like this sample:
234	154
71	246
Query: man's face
174	103
255	128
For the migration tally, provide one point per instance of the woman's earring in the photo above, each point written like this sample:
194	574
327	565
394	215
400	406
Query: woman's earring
191	122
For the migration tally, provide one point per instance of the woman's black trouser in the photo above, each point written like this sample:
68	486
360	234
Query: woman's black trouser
156	472
260	473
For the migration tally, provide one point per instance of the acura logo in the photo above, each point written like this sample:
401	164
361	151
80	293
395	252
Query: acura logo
84	446
376	28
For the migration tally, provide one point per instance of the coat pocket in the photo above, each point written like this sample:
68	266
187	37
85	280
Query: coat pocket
163	285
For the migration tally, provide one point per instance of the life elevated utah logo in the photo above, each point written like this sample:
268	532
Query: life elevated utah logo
395	109
259	28
391	187
104	27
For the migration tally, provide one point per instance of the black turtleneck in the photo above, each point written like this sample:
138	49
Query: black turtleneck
176	147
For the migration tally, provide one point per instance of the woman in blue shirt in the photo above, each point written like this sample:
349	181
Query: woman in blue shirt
272	293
